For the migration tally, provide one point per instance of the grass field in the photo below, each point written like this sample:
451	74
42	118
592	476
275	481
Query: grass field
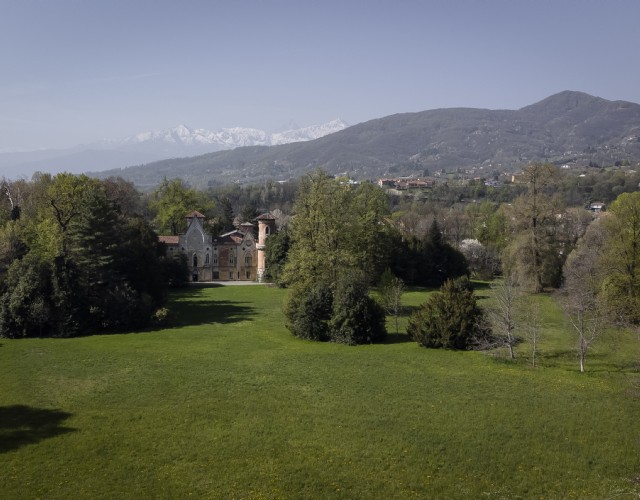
228	404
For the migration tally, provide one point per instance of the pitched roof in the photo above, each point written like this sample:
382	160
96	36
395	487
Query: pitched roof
235	237
169	240
195	213
265	216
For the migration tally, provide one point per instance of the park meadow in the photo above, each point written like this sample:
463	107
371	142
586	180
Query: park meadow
226	403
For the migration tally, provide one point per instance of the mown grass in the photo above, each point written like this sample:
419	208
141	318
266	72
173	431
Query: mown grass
228	404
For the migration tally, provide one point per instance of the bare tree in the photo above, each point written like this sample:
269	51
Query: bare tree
502	315
532	327
579	297
391	290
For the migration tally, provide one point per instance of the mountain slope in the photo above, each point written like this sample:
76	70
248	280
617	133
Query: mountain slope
569	126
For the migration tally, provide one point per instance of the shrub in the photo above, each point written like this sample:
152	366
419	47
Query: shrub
308	310
449	319
346	315
356	317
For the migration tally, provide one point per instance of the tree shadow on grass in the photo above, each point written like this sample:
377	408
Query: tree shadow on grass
397	338
190	309
22	425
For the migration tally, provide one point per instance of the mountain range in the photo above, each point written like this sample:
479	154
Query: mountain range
566	128
146	147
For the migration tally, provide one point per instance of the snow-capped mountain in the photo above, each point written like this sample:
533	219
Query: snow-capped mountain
227	138
147	147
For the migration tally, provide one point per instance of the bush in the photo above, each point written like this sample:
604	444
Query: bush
308	310
449	319
347	315
356	317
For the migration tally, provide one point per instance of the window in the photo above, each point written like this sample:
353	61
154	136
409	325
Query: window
215	259
247	260
248	275
230	275
206	260
267	231
216	275
195	260
231	261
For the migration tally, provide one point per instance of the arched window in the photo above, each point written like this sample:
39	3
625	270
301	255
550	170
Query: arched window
231	261
247	260
206	260
195	260
215	259
267	231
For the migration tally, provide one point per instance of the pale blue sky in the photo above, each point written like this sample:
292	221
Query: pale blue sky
75	71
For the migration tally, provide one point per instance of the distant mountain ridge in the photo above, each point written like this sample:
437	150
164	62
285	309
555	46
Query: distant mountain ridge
228	138
565	127
146	147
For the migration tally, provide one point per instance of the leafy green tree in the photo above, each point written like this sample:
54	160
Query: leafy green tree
25	306
77	264
336	228
249	212
276	250
621	257
449	319
172	201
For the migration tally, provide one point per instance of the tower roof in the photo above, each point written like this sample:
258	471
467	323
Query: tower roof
265	216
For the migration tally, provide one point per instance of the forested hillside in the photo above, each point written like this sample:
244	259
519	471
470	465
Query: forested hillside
569	127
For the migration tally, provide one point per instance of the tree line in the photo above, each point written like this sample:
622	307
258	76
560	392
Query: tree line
79	255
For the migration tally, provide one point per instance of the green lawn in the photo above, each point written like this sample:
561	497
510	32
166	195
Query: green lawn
228	404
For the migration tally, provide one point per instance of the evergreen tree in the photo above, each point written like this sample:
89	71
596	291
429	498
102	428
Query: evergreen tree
356	317
449	319
276	251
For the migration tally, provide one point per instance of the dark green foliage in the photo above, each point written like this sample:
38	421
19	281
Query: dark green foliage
276	250
174	270
429	261
449	319
356	317
308	311
91	270
332	259
249	212
345	315
25	306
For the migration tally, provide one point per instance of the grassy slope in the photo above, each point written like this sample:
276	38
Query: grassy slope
228	404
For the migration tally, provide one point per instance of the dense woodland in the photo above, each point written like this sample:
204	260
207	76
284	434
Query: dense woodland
80	255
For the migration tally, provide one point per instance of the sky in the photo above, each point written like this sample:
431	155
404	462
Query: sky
77	71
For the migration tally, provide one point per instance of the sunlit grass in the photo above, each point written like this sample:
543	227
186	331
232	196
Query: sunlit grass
228	404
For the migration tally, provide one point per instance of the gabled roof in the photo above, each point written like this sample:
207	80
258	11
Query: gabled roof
234	237
196	214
